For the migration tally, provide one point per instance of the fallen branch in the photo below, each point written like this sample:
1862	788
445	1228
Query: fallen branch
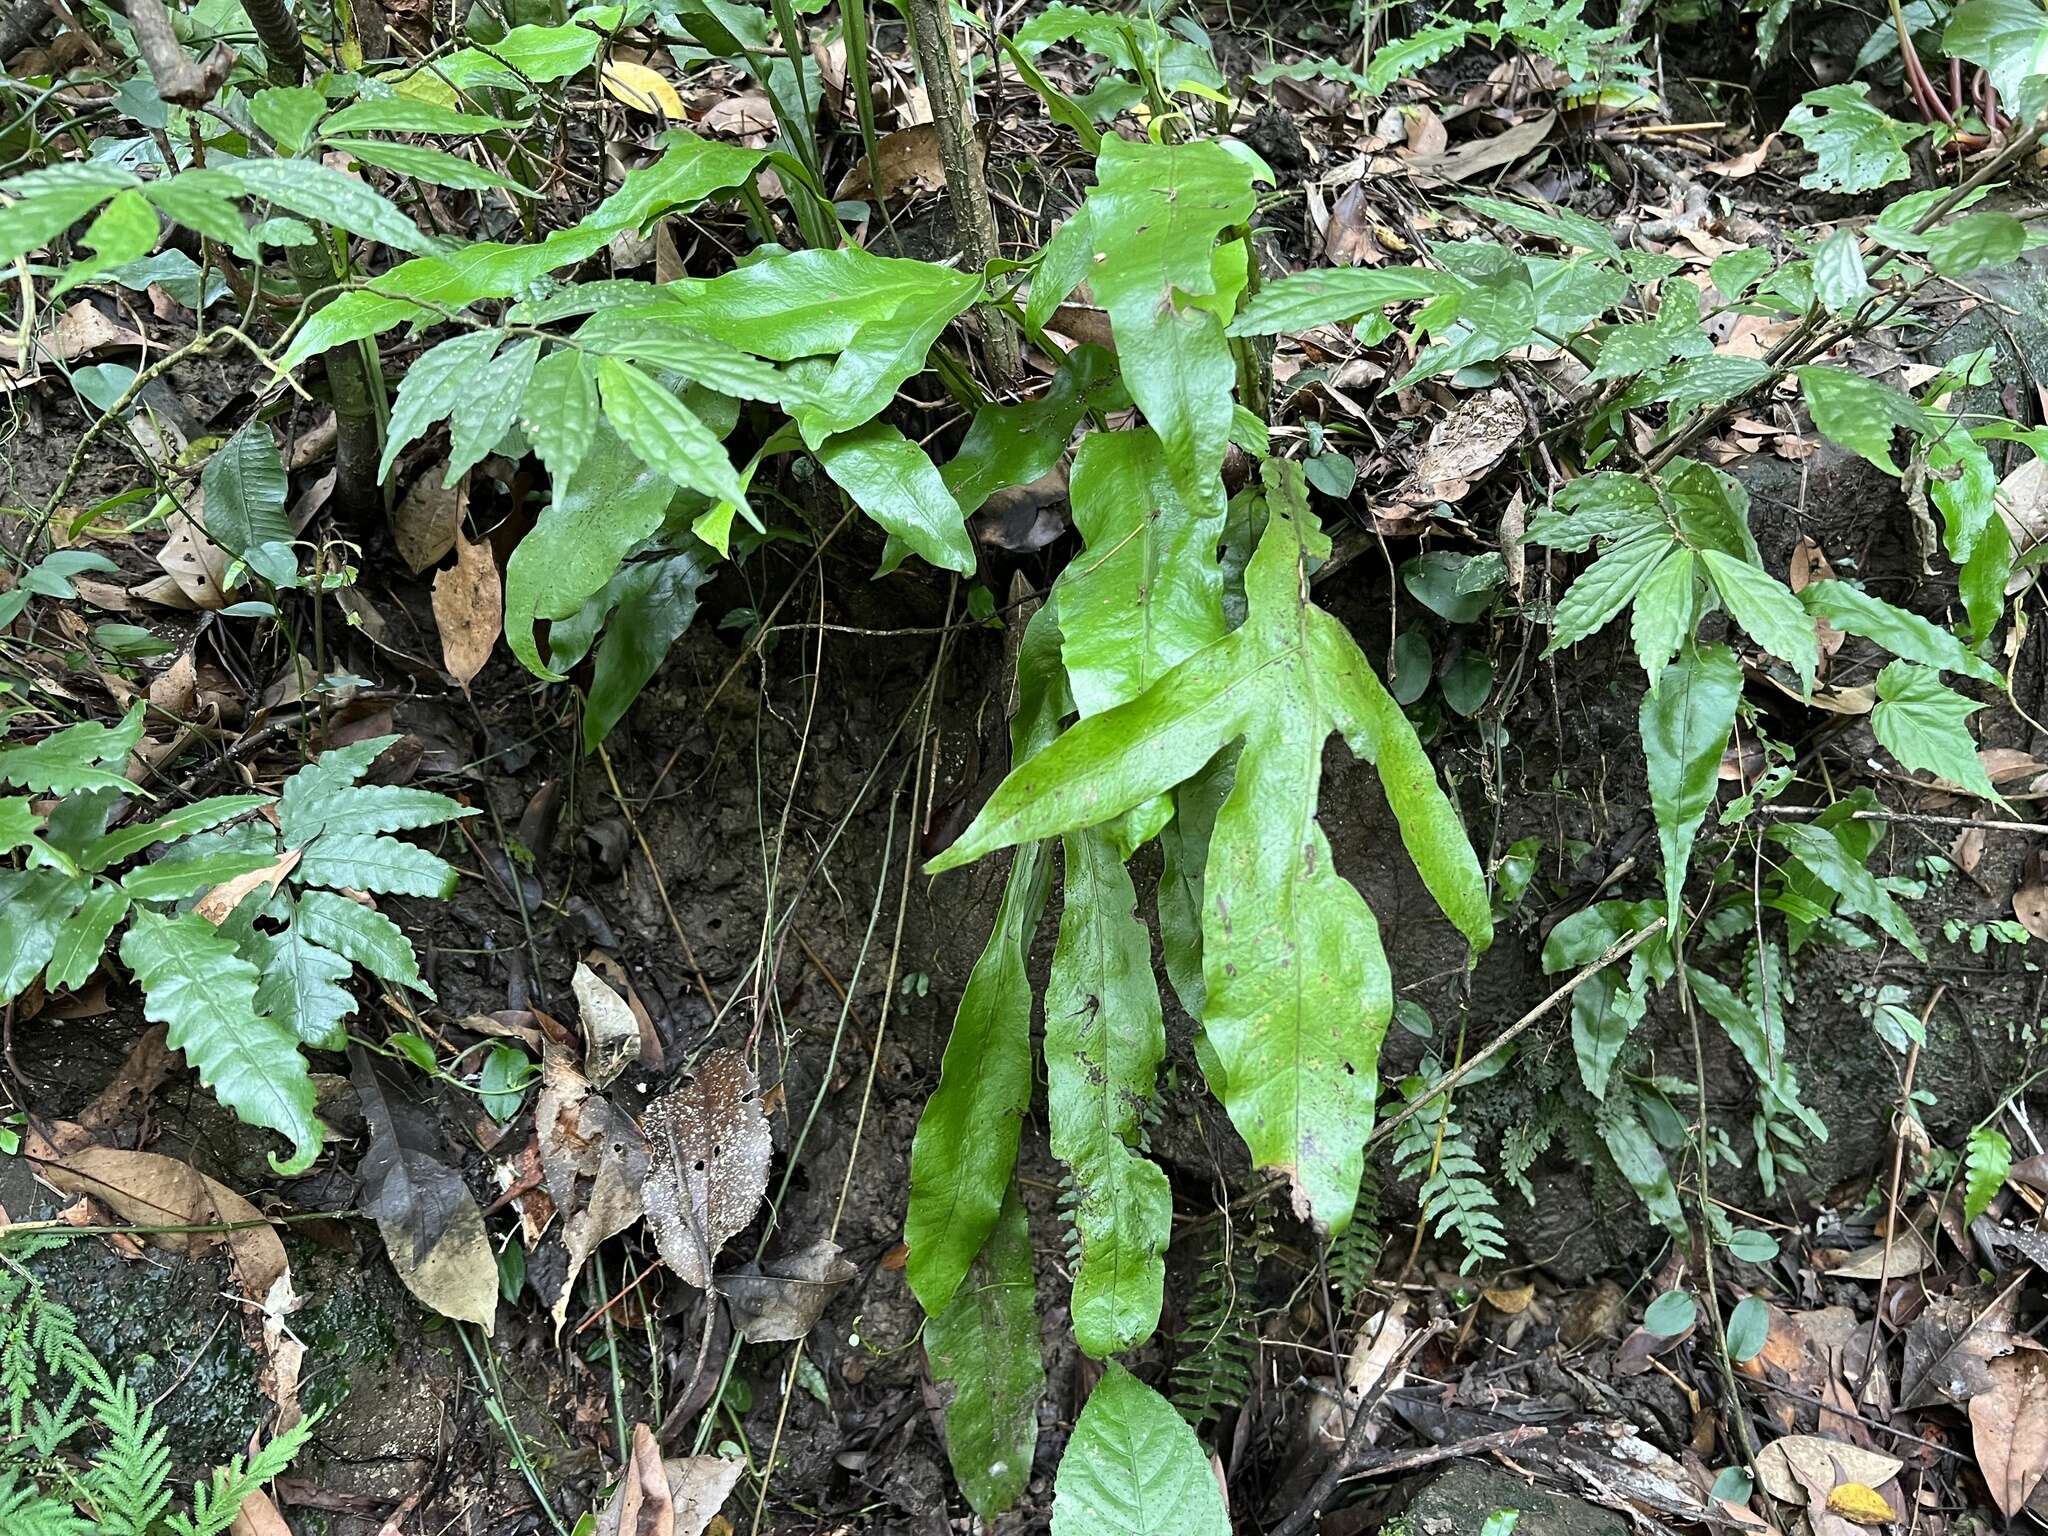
179	78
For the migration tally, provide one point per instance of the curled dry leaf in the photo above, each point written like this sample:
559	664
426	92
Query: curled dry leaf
1907	1254
2009	1428
593	1161
709	1164
1746	164
680	1496
219	904
909	162
782	1299
611	1034
469	608
2030	901
740	117
430	1224
1860	1504
1791	1464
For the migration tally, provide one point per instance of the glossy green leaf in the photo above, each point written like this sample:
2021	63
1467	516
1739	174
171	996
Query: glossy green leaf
1663	616
1610	1004
1490	311
524	57
316	192
1298	994
301	986
1685	722
124	232
418	162
1599	506
403	114
1987	1160
1854	889
1926	726
501	1086
1859	148
1146	592
688	170
324	795
360	934
666	434
439	377
1636	1155
984	1344
1851	609
354	861
1860	413
1548	220
1711	380
1956	247
1766	610
191	871
195	984
287	114
83	938
1754	1022
1135	1468
894	481
2009	40
1839	281
34	907
245	486
1013	445
200	816
44	203
656	599
1322	295
1104	1040
68	761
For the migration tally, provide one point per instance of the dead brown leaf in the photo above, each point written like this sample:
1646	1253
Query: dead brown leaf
428	516
782	1299
594	1163
738	117
219	904
909	162
469	608
1747	163
1478	156
611	1032
1907	1254
2030	901
680	1496
1465	446
709	1164
1951	1345
258	1516
83	330
2009	1428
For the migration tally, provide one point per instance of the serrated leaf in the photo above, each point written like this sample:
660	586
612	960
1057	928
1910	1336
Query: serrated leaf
200	816
985	1345
1662	618
1711	380
1987	1160
1604	505
484	407
384	865
1284	937
1641	346
1767	611
402	114
1135	1468
1685	722
34	907
1842	874
360	934
666	434
1851	609
1104	1039
1860	413
559	412
83	939
301	986
287	114
315	191
894	481
44	203
419	162
318	794
1957	247
1858	148
1926	726
1551	222
182	873
194	983
1839	281
68	760
1605	587
650	336
245	487
430	388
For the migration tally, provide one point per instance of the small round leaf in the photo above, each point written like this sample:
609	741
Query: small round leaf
1671	1314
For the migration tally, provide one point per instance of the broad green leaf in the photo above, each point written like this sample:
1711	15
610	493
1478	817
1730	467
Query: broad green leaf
185	872
287	114
1685	721
418	162
1981	582
1608	1005
688	170
524	57
894	481
1604	505
1736	272
965	1149
1839	281
666	434
1662	619
1605	587
1987	1160
598	515
43	204
985	1345
1298	991
1013	445
1860	413
1853	887
69	760
207	209
301	987
195	983
439	377
656	599
402	114
484	407
502	1085
1757	1029
1641	346
34	907
1671	1315
1146	591
1636	1155
371	863
1184	857
1104	1040
2009	40
1859	148
1926	726
1490	311
1135	1468
1061	268
1957	247
1851	609
245	486
200	816
83	939
1155	214
367	937
1551	222
318	794
1710	508
1964	485
1749	1329
316	192
649	336
1766	610
559	412
124	232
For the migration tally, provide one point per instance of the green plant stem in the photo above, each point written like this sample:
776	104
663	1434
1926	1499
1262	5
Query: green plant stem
487	1374
356	438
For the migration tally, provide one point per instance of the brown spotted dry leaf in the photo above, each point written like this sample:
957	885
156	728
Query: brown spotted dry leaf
1951	1345
611	1032
2009	1428
1465	446
1907	1254
469	608
2030	901
428	516
709	1150
909	162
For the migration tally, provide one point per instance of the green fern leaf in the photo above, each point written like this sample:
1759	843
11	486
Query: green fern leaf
301	986
367	937
200	816
194	982
126	1483
34	906
83	938
320	790
381	864
1987	1159
72	759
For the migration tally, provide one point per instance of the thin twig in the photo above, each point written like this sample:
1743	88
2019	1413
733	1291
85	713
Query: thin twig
1341	1464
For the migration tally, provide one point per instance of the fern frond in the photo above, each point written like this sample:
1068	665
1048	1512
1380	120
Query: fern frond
126	1484
1356	1251
1216	1348
216	1502
1452	1200
25	1511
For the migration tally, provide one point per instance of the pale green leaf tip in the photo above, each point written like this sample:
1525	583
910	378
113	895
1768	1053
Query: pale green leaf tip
304	1155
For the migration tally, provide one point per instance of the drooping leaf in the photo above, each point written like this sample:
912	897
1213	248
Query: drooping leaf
1298	1063
420	162
666	434
1636	1155
438	377
1685	722
1184	850
1610	1004
195	984
1766	610
44	203
245	487
1664	612
1860	413
34	907
1135	1468
894	481
1854	889
1641	346
83	939
1926	726
1013	445
485	405
655	601
984	1344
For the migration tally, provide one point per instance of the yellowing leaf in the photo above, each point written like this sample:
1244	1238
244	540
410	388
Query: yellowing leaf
643	90
1860	1503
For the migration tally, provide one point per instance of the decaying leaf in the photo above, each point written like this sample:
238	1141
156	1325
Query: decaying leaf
593	1160
781	1299
1907	1254
218	904
643	90
1791	1464
1861	1504
428	517
1951	1345
611	1034
909	161
2030	901
2009	1428
430	1223
709	1169
469	608
1465	446
679	1496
